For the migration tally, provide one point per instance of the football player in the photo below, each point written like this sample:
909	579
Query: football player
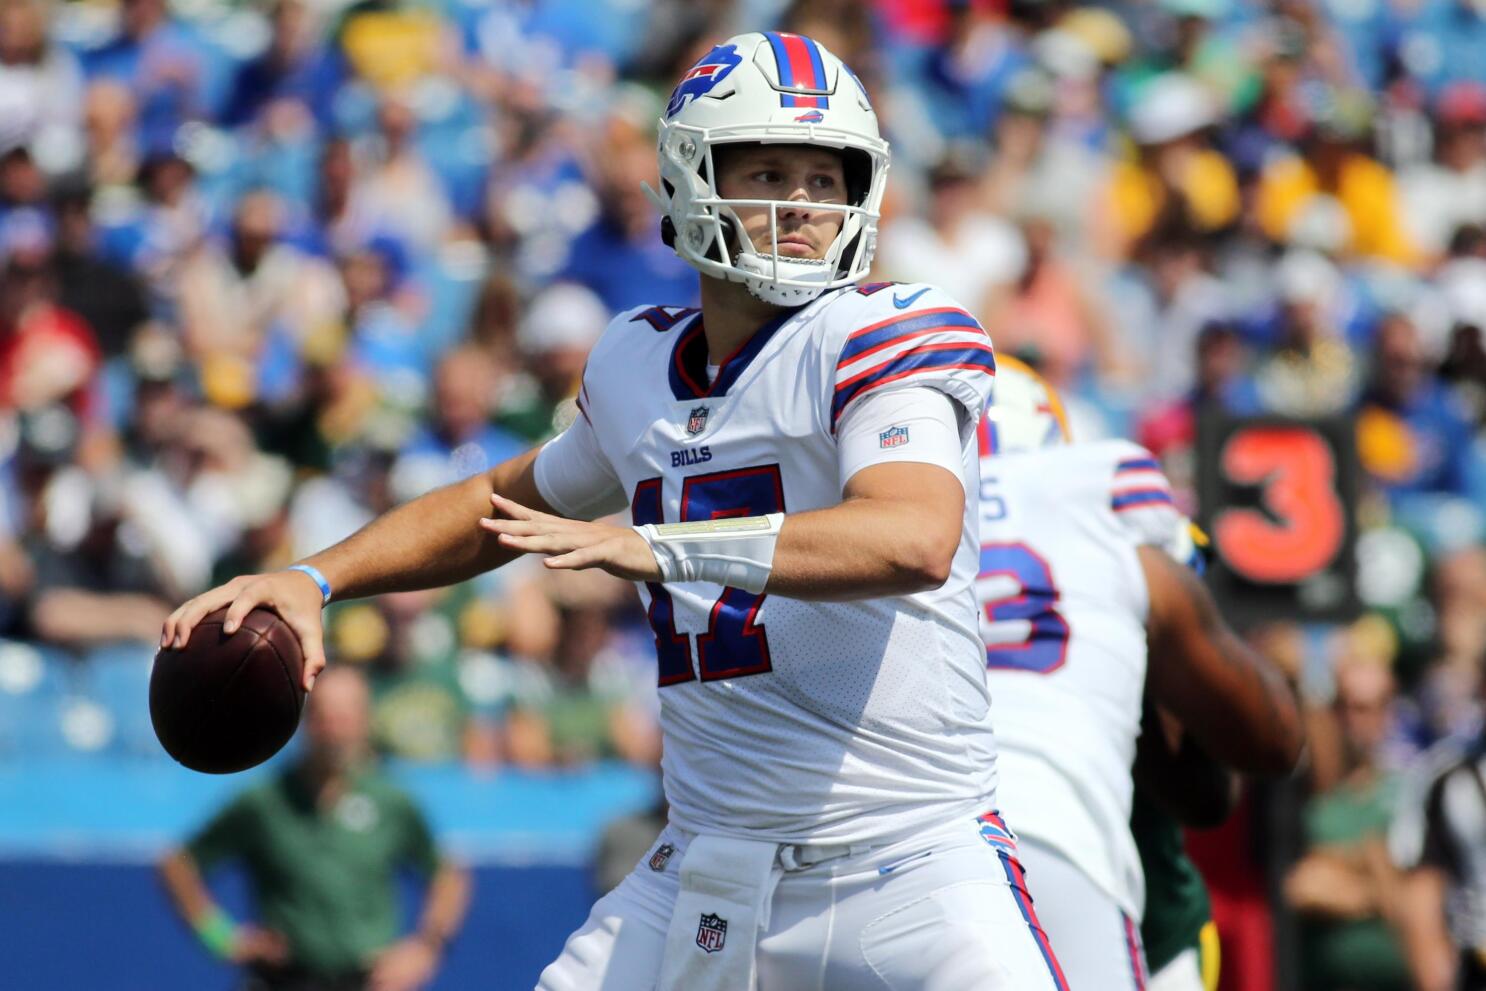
1087	602
798	459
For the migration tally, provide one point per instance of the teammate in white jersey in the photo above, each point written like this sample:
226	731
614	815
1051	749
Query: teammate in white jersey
798	460
1086	604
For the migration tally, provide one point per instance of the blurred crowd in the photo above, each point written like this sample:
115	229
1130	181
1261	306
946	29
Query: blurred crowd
266	271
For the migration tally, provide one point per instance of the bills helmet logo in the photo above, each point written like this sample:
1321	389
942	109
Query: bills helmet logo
661	856
893	437
697	421
712	932
712	69
810	117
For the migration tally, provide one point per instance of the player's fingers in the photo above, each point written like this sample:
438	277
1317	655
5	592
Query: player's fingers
312	647
512	509
194	611
521	528
577	559
540	543
247	600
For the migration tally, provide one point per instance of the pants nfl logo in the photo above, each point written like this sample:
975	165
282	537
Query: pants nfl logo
712	932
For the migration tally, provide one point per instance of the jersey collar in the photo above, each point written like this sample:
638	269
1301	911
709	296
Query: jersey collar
688	372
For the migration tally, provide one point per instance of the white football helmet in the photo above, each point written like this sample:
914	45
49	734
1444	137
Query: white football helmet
768	88
1025	413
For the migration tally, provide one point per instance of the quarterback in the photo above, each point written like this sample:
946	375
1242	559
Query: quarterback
1088	604
798	461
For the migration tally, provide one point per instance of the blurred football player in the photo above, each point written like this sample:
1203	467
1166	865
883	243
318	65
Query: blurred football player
798	459
1087	601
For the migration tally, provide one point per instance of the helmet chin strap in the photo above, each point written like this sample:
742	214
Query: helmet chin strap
758	278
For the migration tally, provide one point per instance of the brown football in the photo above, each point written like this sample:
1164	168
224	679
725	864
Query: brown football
223	703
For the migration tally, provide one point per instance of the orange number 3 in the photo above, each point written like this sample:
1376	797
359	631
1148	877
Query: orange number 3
1297	471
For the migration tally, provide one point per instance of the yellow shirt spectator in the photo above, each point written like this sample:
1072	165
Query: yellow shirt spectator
1363	186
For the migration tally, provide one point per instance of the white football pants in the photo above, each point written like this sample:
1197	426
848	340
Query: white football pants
1098	944
946	910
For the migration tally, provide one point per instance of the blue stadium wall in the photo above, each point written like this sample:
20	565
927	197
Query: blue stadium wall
81	908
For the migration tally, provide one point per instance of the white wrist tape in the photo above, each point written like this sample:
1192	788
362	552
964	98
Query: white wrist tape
736	552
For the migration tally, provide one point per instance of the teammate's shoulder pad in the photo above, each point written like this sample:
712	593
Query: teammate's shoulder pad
1136	479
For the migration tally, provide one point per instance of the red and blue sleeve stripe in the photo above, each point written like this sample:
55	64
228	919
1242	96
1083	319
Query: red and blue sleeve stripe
1137	464
885	333
800	67
1140	498
922	360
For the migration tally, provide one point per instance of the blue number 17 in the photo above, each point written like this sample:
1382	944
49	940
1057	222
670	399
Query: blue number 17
735	644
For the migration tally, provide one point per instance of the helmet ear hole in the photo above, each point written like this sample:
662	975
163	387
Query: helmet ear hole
668	229
856	166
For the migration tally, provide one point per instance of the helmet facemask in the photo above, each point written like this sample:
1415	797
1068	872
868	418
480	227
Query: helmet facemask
708	233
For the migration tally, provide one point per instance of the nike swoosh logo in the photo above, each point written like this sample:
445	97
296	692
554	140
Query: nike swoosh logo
904	304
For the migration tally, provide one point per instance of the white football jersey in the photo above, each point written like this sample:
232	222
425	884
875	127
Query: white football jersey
1064	607
786	720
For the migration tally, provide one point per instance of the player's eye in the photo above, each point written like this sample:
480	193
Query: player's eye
769	176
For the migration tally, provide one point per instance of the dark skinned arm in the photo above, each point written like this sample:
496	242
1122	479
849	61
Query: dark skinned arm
1233	701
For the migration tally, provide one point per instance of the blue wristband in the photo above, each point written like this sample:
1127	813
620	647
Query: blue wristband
317	578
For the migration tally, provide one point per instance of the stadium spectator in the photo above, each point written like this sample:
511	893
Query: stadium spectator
47	353
1345	887
588	702
41	89
1413	436
106	295
1332	164
1177	174
1311	371
976	255
460	440
322	841
159	59
398	187
1442	195
559	328
621	256
235	295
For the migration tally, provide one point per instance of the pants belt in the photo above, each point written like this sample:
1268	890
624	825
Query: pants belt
798	856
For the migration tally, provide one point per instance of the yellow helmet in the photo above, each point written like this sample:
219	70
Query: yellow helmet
1026	413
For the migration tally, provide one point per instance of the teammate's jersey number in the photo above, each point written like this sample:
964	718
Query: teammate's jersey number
1033	601
734	644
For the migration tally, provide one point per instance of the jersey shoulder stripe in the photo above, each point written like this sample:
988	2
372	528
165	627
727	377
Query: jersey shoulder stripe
1136	498
935	341
896	330
921	360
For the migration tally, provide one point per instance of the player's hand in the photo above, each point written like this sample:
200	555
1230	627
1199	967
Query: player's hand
571	544
406	965
292	594
252	945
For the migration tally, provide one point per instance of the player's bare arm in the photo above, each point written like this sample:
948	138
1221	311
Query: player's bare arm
894	533
1174	771
1236	703
425	543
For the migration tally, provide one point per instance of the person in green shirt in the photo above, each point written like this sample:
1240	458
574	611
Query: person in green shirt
322	843
1345	888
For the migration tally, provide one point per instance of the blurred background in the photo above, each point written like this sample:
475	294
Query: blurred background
267	270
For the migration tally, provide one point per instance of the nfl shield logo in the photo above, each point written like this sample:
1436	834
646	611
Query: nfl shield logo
712	932
697	421
661	855
893	437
